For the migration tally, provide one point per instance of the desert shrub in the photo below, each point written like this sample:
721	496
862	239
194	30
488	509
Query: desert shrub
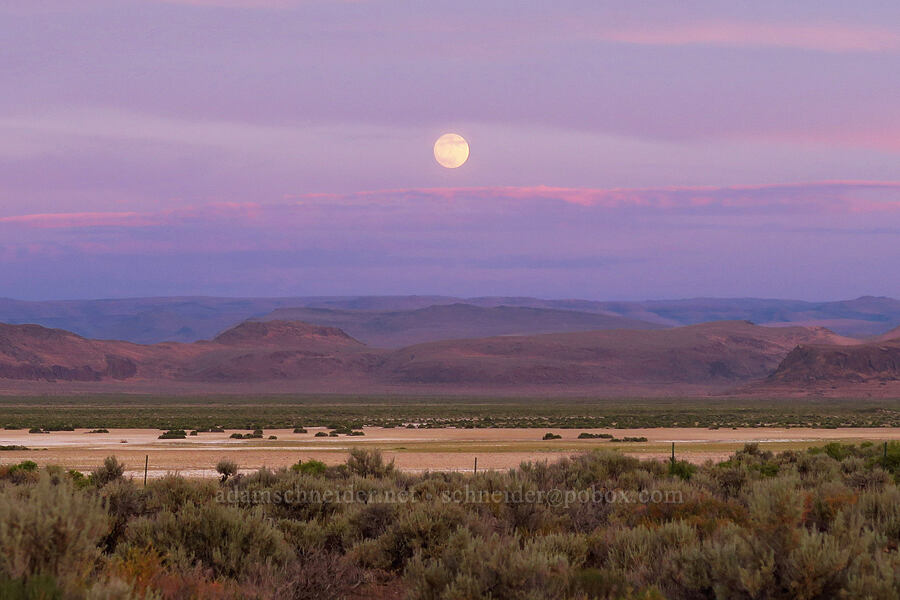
110	470
226	540
78	479
300	430
12	448
574	547
639	551
880	511
115	589
226	468
422	529
321	434
310	467
38	587
372	520
682	469
50	528
23	472
821	524
174	434
814	468
315	575
368	463
494	567
822	504
143	571
123	501
101	430
170	492
28	466
730	481
551	436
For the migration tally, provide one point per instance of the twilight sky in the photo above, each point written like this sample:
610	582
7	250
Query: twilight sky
619	150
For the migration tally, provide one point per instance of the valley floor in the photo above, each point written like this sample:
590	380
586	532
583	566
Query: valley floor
415	450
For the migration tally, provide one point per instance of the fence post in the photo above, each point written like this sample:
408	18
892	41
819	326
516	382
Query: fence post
673	453
146	464
475	472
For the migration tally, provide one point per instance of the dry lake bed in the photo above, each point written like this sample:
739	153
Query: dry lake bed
412	449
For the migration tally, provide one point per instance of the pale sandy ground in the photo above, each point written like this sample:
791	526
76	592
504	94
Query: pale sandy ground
412	449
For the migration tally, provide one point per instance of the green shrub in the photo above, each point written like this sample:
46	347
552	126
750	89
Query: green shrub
682	469
110	470
226	540
368	463
592	436
51	529
226	468
38	587
420	528
310	467
473	567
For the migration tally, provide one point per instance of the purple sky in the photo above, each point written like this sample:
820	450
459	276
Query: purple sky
619	150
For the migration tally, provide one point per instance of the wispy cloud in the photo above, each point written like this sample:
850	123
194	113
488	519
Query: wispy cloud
834	197
780	240
826	37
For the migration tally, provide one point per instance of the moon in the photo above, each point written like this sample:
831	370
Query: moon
451	150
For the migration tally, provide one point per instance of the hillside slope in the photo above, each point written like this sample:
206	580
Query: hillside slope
820	364
396	329
712	353
711	357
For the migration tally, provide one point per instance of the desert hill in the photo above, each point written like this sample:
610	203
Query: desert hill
284	334
35	352
820	364
712	357
712	353
396	329
248	352
893	334
279	350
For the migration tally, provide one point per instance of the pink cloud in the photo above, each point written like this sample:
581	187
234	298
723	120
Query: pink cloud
85	219
389	206
827	37
247	3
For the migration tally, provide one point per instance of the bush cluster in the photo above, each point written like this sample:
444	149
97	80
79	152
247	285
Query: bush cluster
818	524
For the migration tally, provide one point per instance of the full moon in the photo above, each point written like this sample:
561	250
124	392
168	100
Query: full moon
451	150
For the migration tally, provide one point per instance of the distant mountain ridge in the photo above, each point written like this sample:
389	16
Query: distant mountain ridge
313	358
188	319
396	329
